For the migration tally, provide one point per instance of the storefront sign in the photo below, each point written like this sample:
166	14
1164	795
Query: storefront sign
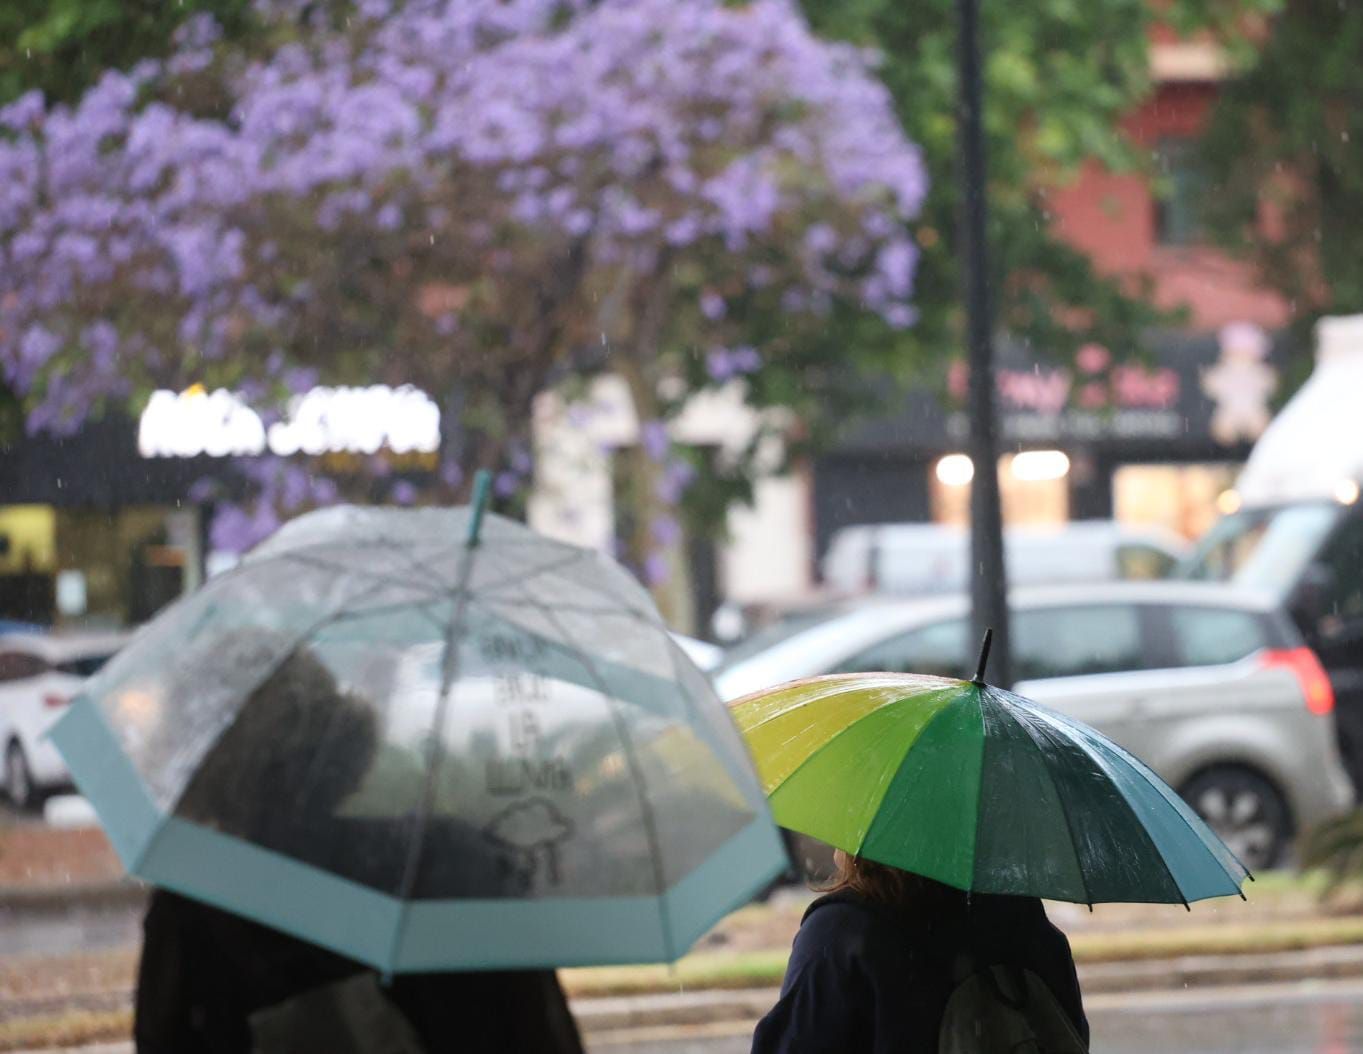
195	422
1191	396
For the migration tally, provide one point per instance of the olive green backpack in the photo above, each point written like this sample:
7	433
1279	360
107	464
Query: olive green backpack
1004	1010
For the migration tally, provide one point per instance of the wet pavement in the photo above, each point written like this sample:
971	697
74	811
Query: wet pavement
1311	1018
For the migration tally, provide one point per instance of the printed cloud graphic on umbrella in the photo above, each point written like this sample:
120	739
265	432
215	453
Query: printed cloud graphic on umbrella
532	831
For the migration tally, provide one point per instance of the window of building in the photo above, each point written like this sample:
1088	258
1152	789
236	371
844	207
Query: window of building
1178	193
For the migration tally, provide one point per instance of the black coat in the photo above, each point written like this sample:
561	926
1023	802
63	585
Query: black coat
204	972
872	978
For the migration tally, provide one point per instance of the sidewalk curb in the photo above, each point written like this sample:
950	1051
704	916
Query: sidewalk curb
614	1013
602	1016
121	893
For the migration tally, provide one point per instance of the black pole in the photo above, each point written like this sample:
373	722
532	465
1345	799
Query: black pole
989	589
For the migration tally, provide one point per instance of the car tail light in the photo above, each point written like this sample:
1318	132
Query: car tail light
1311	675
55	702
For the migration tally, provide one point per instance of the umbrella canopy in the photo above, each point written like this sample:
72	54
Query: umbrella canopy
426	754
978	788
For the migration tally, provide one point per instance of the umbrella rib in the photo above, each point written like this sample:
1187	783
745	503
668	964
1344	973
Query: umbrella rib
585	609
380	577
622	732
520	577
1060	800
1145	775
449	667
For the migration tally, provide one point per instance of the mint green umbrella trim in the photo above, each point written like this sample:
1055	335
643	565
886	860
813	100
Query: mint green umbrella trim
105	775
585	931
359	922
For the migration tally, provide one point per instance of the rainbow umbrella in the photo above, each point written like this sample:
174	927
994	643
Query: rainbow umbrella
978	788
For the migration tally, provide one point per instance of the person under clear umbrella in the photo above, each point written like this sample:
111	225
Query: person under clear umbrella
879	958
214	983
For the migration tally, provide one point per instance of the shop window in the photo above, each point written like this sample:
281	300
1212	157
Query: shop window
1179	497
1178	193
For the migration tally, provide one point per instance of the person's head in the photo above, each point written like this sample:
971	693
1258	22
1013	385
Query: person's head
884	884
296	749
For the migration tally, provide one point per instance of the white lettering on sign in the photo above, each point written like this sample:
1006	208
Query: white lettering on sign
195	422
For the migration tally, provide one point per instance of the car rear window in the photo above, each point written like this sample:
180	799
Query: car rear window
939	648
1072	642
86	666
1215	636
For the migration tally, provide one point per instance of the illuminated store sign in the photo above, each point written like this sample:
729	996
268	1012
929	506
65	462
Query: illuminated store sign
197	422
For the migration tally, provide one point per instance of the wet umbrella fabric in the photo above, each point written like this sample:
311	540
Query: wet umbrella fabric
425	754
978	788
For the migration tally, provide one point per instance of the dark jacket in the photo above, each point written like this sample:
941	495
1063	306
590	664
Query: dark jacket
204	972
872	978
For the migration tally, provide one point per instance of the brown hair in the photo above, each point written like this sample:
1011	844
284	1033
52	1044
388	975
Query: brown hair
884	884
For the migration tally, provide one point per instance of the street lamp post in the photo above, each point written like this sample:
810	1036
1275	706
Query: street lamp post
989	589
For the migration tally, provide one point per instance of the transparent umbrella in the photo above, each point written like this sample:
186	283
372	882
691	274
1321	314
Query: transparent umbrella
427	742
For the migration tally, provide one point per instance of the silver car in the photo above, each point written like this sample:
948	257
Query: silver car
1211	687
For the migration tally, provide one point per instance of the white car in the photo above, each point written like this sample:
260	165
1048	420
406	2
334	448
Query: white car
917	558
39	674
704	654
1212	688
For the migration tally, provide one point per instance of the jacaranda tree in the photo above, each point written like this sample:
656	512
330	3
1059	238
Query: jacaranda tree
482	198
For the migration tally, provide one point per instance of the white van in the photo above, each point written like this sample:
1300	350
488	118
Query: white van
931	558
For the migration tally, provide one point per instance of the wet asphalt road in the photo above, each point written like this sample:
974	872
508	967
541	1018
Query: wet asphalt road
1313	1018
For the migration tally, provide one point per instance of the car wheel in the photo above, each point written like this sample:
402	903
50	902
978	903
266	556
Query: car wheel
19	786
1245	810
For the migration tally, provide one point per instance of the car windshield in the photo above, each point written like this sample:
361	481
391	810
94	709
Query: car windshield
774	633
1264	549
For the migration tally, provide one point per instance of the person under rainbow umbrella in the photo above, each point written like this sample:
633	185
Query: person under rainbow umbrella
977	788
955	808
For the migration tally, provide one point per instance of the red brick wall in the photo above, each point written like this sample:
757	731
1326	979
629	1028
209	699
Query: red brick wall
1112	217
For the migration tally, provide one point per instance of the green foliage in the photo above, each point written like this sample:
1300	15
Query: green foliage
1286	138
62	46
1336	848
1059	76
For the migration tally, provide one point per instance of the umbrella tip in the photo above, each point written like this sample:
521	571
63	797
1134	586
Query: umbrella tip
482	487
984	657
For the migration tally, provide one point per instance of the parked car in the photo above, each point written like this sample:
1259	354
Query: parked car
704	654
39	674
1213	688
934	558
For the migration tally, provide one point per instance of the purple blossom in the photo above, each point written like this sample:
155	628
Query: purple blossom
654	439
404	492
451	474
676	477
712	305
665	531
657	569
472	136
204	490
